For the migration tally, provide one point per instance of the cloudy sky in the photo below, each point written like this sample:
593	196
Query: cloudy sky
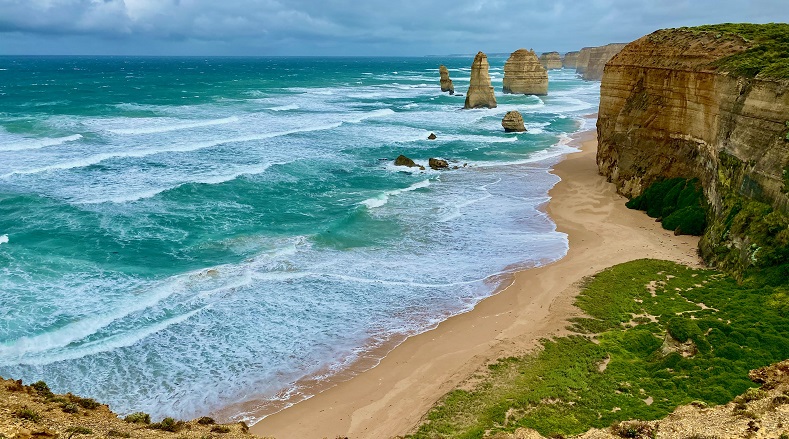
346	27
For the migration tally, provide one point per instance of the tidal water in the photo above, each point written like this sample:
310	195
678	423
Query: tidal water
179	235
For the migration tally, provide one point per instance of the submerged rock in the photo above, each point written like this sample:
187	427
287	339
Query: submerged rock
446	83
513	122
480	92
523	74
437	164
402	160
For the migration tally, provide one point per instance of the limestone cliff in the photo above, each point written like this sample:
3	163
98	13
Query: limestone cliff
523	74
668	109
446	83
583	60
480	92
551	60
570	60
598	57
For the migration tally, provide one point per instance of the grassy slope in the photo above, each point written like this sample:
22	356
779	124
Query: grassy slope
769	58
561	390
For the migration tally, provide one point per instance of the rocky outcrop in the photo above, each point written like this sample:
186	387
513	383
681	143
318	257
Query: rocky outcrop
666	111
437	164
480	92
551	60
34	412
570	60
513	122
432	136
446	83
598	57
523	74
402	160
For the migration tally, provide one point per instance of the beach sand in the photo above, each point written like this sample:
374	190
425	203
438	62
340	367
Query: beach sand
390	399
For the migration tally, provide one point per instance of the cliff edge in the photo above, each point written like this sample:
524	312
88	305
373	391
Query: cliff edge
710	103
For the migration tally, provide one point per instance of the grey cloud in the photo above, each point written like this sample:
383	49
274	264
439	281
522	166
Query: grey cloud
341	27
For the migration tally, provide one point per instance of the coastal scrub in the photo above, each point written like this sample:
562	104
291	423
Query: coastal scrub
658	335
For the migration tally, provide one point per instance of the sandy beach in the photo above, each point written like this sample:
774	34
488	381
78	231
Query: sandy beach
390	399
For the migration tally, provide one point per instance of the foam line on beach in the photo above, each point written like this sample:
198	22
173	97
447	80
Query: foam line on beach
383	198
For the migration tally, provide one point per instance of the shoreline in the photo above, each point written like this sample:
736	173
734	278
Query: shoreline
391	398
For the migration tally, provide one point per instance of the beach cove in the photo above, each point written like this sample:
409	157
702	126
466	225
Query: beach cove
390	399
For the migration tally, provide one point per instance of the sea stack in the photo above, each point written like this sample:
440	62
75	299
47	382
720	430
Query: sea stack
513	122
583	60
570	60
446	83
480	92
523	74
551	60
598	58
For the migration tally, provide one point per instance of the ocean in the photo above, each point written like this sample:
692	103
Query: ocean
183	235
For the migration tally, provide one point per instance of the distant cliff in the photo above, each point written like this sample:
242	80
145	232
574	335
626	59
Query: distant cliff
570	60
710	103
598	57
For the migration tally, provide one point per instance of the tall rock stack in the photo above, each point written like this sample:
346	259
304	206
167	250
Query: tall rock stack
570	60
551	60
446	83
480	92
523	74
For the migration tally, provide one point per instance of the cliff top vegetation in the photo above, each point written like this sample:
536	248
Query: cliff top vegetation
768	57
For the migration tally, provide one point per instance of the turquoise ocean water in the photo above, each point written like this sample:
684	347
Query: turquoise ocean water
179	235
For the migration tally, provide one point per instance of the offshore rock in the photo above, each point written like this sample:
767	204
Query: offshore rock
551	60
666	112
480	92
513	122
523	74
437	164
446	83
570	60
432	136
402	160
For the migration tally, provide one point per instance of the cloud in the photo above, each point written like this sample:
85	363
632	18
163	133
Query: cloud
352	27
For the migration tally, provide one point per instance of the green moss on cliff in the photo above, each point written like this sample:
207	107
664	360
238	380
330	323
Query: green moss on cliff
621	355
769	56
678	202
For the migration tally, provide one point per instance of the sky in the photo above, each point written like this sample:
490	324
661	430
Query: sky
347	28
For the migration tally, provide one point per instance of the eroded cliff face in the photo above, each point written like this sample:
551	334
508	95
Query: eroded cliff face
523	74
666	112
570	60
598	57
480	92
551	60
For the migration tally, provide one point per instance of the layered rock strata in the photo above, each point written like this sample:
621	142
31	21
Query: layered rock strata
480	91
570	60
666	112
551	60
583	60
513	122
598	57
523	74
446	83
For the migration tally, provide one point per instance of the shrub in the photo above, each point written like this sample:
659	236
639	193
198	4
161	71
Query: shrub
683	329
138	418
42	388
220	429
678	202
86	403
78	430
26	413
205	420
69	408
634	430
168	424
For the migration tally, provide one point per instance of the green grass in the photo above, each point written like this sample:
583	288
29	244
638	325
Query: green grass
561	390
678	202
769	56
168	424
